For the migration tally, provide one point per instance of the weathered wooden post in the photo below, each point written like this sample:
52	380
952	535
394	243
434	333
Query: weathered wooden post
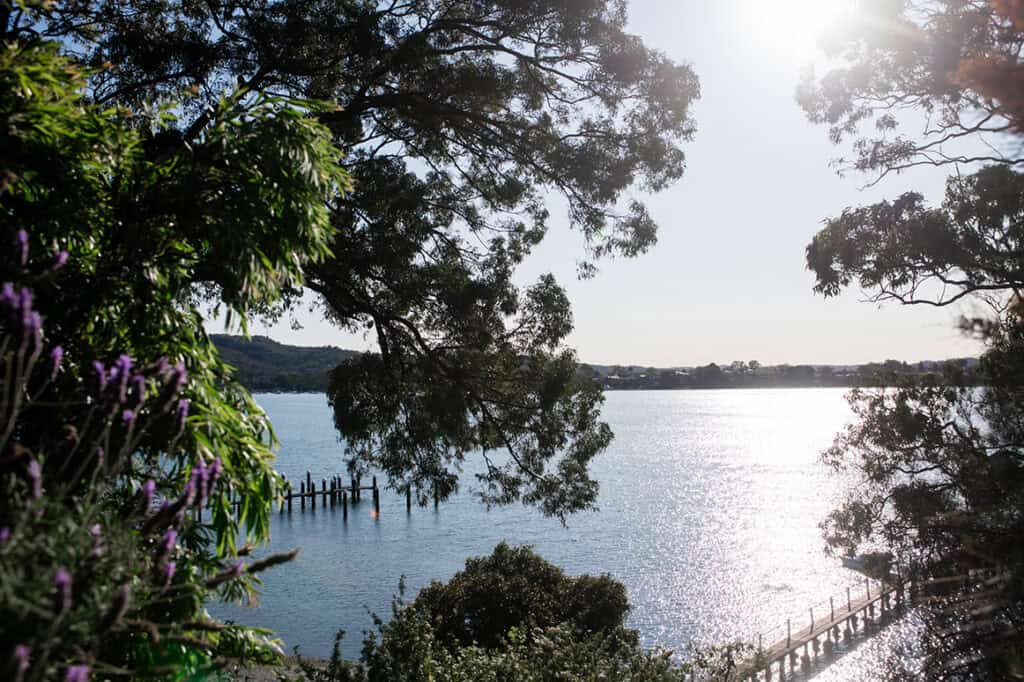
436	498
811	611
309	482
290	494
789	633
353	494
849	602
831	609
344	506
867	586
805	660
376	498
332	492
408	500
312	496
302	496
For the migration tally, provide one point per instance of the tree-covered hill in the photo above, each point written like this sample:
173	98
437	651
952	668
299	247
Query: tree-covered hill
266	365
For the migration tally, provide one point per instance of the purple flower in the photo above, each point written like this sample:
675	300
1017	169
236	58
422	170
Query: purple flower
169	569
95	530
62	581
77	673
100	374
201	480
181	413
21	654
122	372
24	304
56	355
148	488
178	377
216	469
7	298
60	259
161	365
128	417
21	243
5	535
35	479
189	494
34	328
167	544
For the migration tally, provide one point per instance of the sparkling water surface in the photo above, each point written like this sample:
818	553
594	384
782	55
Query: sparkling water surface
709	510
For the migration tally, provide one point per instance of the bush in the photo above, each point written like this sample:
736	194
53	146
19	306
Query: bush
118	419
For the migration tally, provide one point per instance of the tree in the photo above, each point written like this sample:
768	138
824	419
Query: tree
514	616
459	119
938	464
113	398
516	588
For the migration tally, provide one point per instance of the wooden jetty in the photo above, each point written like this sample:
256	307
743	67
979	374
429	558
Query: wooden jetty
333	492
801	648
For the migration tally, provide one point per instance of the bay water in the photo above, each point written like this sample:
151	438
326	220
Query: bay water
708	512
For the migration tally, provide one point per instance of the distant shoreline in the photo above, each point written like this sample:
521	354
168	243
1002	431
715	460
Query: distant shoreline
264	366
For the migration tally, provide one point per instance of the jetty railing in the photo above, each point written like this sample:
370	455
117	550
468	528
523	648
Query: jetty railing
859	608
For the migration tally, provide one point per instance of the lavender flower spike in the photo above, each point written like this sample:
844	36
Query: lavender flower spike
5	535
60	259
35	479
148	488
62	581
77	673
21	655
21	241
56	355
167	544
182	414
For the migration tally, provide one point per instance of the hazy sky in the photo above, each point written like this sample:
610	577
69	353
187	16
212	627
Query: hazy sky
727	279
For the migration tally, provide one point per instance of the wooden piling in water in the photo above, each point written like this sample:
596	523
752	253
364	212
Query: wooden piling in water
408	500
302	496
344	506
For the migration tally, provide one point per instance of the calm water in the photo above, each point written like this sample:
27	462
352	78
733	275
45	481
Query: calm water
709	508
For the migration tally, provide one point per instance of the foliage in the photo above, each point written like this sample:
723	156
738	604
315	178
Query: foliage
461	120
514	616
516	588
956	61
938	466
112	394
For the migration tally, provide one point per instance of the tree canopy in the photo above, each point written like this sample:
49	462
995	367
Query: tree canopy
459	121
938	466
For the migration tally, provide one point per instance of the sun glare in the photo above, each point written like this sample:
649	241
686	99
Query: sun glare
794	26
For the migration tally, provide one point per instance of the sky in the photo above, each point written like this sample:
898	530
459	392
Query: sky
727	280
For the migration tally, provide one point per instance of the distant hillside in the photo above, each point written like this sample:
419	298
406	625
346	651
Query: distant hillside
266	365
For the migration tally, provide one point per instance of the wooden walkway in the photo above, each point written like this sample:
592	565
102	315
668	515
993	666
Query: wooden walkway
820	636
334	491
